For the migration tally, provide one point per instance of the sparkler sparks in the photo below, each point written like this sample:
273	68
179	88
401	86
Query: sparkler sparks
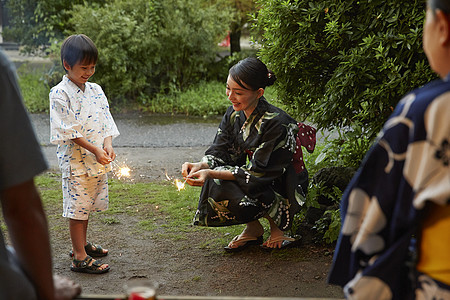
178	183
121	171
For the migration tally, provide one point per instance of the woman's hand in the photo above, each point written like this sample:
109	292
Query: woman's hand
189	168
198	178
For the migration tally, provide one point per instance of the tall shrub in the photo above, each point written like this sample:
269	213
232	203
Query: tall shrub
149	46
35	24
340	62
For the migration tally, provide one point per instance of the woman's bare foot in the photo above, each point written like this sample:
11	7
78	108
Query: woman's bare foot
253	230
275	233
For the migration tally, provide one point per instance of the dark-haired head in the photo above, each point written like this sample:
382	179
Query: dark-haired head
443	5
78	48
252	73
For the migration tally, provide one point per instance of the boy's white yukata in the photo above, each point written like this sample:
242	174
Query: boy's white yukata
75	114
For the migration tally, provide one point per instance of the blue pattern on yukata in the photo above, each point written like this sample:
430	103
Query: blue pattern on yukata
83	195
381	207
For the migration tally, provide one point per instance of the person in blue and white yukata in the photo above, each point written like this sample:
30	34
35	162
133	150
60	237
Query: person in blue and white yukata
394	241
83	128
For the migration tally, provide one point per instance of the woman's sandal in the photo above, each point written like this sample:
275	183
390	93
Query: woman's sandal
92	250
286	242
243	243
88	265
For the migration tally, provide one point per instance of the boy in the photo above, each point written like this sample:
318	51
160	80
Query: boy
83	128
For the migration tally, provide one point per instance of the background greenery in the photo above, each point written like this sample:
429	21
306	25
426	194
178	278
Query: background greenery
341	65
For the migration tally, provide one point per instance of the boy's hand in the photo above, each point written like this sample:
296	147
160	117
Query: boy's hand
110	151
102	156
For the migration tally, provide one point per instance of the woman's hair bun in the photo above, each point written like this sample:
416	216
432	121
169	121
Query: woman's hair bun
253	73
271	77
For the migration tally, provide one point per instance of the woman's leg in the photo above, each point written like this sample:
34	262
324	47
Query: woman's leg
274	233
253	229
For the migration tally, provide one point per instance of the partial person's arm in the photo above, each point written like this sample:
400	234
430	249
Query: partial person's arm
28	230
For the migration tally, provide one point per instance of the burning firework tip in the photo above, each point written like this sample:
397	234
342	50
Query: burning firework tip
121	171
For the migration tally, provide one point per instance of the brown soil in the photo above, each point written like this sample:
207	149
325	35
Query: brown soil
186	266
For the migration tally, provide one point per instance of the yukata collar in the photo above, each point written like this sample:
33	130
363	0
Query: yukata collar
72	84
261	108
447	78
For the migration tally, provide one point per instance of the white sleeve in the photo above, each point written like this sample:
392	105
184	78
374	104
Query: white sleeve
63	121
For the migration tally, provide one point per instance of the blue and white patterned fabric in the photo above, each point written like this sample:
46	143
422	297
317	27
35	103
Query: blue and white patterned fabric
408	165
74	114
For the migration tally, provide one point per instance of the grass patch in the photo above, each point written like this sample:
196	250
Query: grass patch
158	205
34	88
110	221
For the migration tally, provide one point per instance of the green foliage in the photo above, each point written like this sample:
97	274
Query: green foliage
204	99
34	89
344	147
149	47
219	69
329	225
35	24
343	63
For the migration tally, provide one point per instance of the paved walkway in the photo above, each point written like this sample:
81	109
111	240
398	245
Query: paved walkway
152	145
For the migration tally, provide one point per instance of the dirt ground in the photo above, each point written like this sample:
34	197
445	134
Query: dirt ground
186	266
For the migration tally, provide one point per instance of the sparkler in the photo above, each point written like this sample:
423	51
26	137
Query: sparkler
178	183
121	172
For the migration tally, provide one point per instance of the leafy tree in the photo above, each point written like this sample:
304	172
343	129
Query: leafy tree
243	9
34	24
152	46
343	62
343	65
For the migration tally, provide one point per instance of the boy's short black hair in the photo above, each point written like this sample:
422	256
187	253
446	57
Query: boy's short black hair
78	48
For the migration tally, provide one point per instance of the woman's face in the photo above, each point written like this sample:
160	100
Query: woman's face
243	99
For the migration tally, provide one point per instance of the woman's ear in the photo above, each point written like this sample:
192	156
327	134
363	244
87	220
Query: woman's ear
260	92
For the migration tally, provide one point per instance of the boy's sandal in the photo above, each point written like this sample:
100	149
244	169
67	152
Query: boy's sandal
92	250
286	242
88	265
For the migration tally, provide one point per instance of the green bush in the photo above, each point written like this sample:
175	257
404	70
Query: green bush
150	47
34	89
35	24
343	63
204	99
